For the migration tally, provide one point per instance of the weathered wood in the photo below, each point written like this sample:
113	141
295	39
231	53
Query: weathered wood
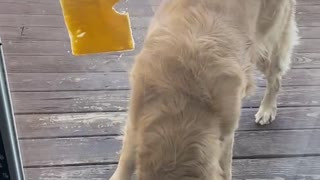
111	123
81	64
309	32
308	9
58	48
27	82
45	48
130	3
70	151
82	150
102	101
54	20
277	169
306	60
70	81
308	46
27	48
25	7
10	32
61	34
51	33
35	33
75	125
243	169
287	118
137	22
307	2
308	20
31	20
295	77
54	8
42	8
107	63
276	143
76	101
290	97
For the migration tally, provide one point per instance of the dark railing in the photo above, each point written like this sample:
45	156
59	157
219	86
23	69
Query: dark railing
10	159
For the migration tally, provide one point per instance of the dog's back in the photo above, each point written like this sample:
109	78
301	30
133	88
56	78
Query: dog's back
191	67
192	73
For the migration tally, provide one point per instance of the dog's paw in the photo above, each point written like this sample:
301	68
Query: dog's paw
266	115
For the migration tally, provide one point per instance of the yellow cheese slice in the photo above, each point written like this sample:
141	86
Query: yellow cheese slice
95	27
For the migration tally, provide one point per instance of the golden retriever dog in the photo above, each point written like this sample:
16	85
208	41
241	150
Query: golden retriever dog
189	80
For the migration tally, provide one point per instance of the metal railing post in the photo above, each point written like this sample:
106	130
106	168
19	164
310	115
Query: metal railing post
7	126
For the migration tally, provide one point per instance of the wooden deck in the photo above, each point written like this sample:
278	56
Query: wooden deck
69	110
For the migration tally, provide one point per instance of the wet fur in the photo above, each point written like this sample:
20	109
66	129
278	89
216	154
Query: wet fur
188	82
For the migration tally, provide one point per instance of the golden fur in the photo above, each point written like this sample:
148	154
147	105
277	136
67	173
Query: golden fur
188	82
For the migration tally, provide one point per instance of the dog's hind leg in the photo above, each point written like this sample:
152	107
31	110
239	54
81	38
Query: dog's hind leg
274	69
126	166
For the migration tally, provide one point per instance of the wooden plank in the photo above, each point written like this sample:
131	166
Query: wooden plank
31	20
46	152
277	169
54	20
308	9
309	32
111	123
307	2
138	8
22	82
35	33
137	22
61	48
61	34
301	168
295	77
108	63
276	143
129	3
308	20
51	34
308	46
287	118
10	32
289	97
74	124
25	7
80	64
27	48
54	8
68	81
103	101
306	60
45	48
70	151
74	101
43	8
